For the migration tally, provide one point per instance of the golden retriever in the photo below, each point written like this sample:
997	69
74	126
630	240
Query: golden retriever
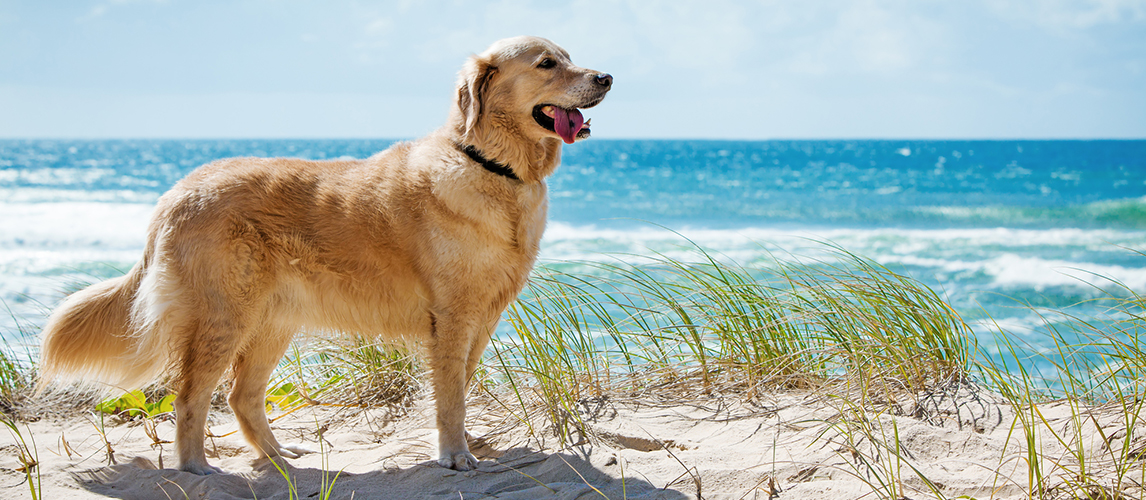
426	241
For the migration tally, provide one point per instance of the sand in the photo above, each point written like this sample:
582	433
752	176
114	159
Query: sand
788	445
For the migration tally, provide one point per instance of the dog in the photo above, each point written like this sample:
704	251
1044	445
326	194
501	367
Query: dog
428	241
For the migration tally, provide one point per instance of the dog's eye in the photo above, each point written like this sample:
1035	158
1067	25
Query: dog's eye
547	63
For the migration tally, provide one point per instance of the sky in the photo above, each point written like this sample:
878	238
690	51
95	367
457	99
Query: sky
707	69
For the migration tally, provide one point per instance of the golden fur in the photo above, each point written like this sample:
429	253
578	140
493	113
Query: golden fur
418	242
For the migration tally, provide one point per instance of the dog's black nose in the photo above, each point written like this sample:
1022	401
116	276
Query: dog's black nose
605	80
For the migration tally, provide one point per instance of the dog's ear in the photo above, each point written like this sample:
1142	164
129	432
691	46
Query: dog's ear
472	86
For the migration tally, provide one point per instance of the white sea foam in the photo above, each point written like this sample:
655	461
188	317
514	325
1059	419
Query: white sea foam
45	248
558	231
593	243
71	225
902	240
1006	257
58	176
51	195
1012	270
1020	326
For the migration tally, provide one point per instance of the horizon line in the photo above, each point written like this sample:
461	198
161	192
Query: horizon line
608	139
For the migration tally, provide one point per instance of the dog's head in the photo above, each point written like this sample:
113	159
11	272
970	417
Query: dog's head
526	87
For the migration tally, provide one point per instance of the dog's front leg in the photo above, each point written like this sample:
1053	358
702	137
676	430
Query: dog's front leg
452	341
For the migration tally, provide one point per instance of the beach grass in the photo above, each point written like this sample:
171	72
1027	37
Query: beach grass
841	326
677	328
875	342
1099	378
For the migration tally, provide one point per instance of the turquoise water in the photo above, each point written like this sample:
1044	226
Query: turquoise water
992	224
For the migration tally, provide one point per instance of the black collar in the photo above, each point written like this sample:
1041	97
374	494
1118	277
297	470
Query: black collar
490	165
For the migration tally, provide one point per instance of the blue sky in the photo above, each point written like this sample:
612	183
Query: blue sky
683	68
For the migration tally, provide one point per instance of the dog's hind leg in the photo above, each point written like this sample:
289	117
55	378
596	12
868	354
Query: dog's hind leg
253	367
208	350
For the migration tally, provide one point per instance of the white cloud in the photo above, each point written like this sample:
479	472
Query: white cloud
374	41
760	68
1067	15
103	8
863	37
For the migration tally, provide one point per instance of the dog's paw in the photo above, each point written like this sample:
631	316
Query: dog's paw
201	469
462	461
293	450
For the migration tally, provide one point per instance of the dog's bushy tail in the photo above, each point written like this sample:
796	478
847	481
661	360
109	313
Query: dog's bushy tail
91	337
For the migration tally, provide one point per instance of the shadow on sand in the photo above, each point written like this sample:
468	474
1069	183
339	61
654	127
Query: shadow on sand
521	474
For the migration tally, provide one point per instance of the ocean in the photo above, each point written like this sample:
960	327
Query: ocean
995	226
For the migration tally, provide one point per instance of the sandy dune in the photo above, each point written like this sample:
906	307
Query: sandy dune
788	445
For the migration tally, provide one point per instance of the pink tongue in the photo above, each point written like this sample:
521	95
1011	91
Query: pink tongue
567	123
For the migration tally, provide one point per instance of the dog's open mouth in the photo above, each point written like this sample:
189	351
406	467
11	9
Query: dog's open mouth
567	123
